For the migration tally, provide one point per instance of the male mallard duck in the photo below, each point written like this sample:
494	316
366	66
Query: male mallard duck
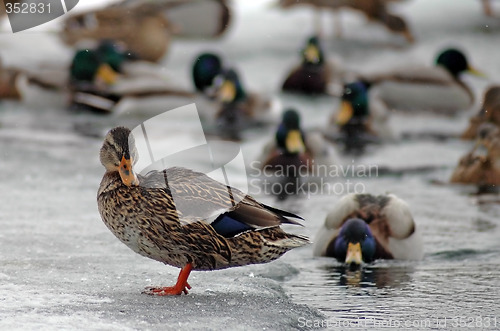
207	226
361	120
489	112
235	108
293	146
293	155
363	228
104	76
436	88
374	10
313	75
481	170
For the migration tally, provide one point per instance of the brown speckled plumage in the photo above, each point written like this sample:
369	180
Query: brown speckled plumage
169	221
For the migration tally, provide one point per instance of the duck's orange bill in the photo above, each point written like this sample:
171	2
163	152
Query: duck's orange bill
126	173
345	113
354	254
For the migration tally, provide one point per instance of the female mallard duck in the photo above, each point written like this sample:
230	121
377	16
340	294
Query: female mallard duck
100	78
313	75
146	32
436	88
481	170
184	218
190	18
360	120
363	228
41	85
489	112
374	10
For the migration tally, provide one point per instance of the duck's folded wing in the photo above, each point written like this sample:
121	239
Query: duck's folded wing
198	197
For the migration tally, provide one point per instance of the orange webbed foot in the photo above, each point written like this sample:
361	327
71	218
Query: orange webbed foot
182	286
170	290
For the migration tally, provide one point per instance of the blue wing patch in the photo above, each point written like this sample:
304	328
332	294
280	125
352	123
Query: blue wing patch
228	227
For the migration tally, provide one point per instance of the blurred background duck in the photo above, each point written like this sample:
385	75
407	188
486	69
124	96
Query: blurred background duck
233	108
436	89
314	74
143	30
362	228
210	226
293	149
374	10
479	168
36	84
360	120
102	77
489	112
147	27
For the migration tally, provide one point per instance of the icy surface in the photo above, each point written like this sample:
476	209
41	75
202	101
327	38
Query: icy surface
62	269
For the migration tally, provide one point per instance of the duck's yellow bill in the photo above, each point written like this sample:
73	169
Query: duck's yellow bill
227	92
311	53
354	254
106	74
294	142
126	173
345	113
475	72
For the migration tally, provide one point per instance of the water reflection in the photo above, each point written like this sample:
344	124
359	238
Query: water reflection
369	276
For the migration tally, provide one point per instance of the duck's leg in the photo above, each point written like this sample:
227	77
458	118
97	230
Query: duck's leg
488	11
179	287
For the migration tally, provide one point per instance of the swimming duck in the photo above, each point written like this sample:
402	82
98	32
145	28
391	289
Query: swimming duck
294	155
313	75
374	10
436	88
100	78
208	226
489	112
234	109
362	228
477	169
361	120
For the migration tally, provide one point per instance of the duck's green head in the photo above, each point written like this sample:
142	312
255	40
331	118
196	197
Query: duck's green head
355	243
228	87
354	103
289	135
206	67
88	66
312	52
113	53
455	62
